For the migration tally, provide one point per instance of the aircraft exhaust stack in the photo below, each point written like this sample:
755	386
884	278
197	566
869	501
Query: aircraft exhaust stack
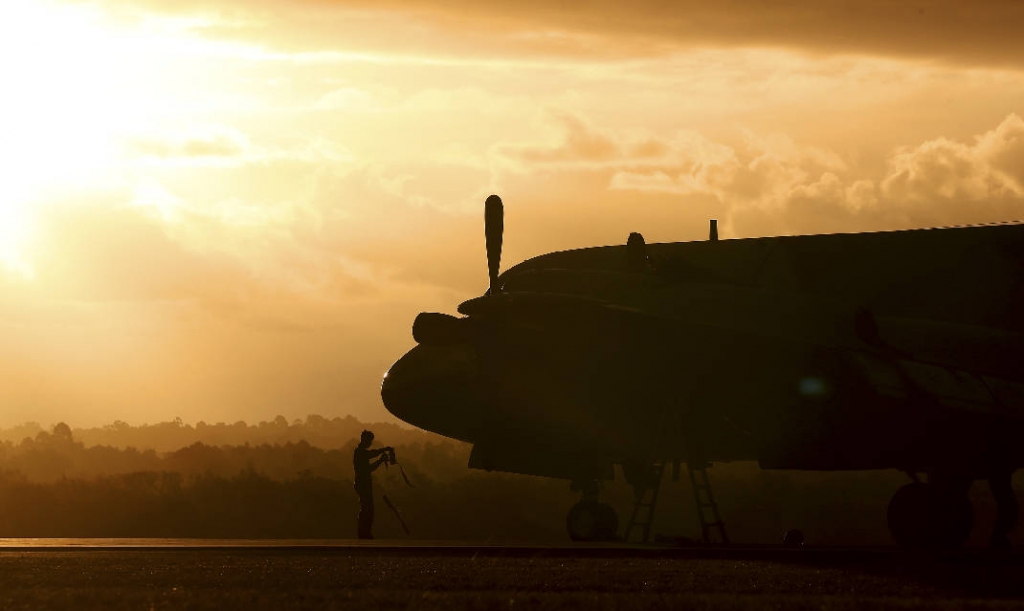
713	234
439	329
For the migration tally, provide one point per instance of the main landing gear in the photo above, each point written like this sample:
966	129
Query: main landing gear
938	514
1007	511
589	519
930	516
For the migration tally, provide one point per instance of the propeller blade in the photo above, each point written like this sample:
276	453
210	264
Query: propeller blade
494	227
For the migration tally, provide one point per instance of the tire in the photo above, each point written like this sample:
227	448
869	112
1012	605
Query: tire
608	522
955	519
592	521
921	516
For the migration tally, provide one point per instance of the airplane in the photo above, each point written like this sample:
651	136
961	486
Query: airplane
889	350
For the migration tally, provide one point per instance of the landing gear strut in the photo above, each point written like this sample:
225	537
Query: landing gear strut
930	516
589	519
1007	511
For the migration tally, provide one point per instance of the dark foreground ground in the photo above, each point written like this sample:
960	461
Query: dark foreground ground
449	578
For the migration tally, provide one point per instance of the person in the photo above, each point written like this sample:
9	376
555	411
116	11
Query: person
364	465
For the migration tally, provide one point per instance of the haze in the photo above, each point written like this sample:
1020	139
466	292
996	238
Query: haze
232	210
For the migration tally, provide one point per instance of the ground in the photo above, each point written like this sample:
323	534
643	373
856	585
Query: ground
329	577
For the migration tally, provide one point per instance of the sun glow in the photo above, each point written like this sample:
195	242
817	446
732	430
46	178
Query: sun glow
76	85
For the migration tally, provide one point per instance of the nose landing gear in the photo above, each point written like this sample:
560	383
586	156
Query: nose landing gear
589	519
592	521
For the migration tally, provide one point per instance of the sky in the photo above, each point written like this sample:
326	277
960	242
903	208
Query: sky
227	210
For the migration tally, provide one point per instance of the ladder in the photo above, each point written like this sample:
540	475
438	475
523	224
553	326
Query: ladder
644	504
707	508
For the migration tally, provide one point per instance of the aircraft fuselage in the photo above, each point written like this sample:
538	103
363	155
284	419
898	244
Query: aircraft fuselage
816	352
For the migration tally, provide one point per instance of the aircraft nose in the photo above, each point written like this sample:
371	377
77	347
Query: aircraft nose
435	388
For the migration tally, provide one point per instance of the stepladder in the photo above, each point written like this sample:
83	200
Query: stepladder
646	488
711	525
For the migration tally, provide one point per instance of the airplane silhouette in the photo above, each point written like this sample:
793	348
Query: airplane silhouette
893	350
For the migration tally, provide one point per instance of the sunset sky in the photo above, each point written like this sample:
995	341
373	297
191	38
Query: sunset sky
228	210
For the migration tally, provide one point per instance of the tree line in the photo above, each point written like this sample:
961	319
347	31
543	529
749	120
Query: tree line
273	484
315	430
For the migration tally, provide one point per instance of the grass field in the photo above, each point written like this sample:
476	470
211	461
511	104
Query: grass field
338	579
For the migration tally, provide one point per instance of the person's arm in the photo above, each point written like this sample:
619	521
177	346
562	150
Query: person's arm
385	455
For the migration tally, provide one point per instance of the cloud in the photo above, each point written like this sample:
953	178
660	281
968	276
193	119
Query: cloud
406	224
225	147
347	98
757	169
1003	150
577	144
232	308
991	168
100	252
255	264
771	184
468	99
337	229
196	145
949	30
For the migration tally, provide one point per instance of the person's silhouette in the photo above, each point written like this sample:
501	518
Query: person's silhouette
364	465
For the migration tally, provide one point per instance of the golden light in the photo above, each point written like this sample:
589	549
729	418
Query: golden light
76	85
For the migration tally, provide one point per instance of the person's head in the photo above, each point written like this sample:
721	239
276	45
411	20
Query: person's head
366	438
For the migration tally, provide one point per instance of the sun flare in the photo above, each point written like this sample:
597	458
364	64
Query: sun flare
81	85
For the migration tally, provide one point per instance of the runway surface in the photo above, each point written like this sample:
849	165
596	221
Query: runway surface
383	548
232	574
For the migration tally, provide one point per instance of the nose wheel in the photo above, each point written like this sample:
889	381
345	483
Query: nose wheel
592	521
926	516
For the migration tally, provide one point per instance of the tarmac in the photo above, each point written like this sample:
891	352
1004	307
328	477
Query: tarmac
225	574
469	549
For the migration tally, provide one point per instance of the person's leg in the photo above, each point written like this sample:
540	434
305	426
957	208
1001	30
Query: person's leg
365	514
369	515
